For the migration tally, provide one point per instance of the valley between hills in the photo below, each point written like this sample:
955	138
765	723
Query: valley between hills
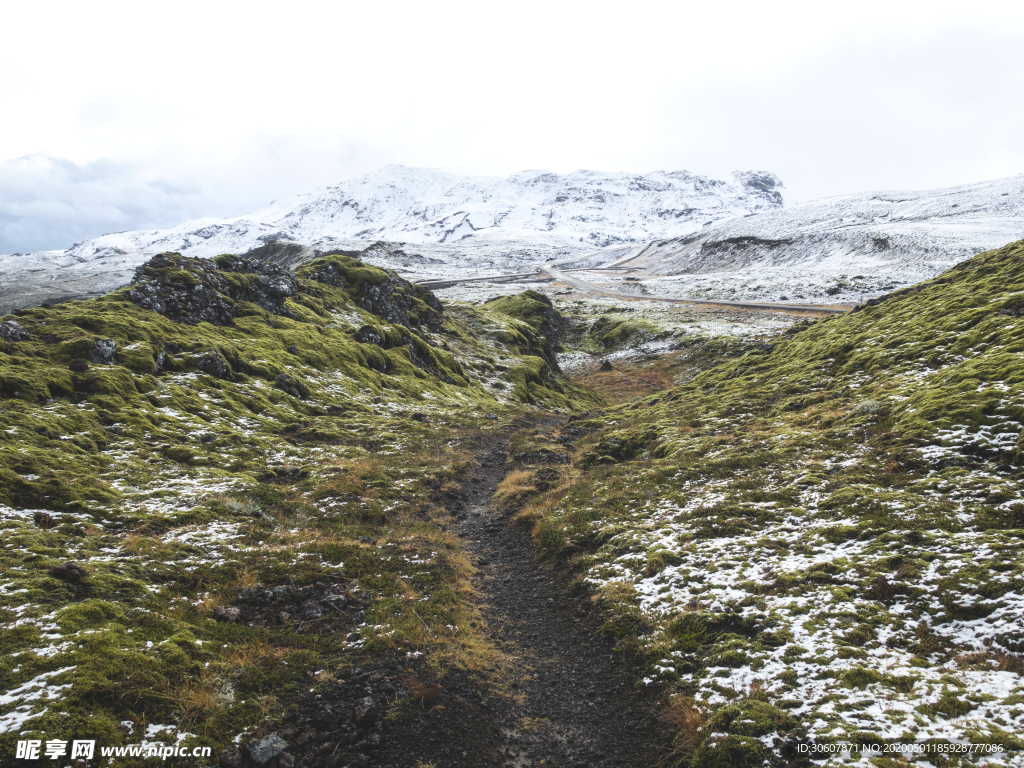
317	515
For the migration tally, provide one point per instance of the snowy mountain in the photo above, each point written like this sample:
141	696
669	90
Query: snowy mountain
530	216
920	232
421	205
841	249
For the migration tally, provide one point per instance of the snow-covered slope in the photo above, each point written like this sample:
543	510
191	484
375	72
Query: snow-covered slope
850	245
529	216
421	205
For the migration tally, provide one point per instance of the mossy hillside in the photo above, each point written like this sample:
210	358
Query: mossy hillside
186	469
614	333
136	639
380	291
532	307
222	378
830	522
536	310
509	356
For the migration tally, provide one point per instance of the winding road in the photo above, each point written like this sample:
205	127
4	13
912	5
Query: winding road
550	269
574	281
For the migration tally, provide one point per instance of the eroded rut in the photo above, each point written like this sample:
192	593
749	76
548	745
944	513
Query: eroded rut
570	702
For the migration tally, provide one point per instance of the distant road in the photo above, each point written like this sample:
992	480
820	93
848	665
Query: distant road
563	277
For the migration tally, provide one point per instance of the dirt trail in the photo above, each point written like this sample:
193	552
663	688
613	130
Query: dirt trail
573	701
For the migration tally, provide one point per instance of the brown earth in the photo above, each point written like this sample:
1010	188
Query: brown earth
559	695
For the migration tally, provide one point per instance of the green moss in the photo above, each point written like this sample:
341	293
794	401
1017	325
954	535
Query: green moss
268	431
732	752
616	333
529	306
883	446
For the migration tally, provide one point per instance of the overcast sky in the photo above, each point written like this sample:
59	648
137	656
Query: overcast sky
132	115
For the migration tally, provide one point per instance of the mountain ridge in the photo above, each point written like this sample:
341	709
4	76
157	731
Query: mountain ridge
943	226
424	205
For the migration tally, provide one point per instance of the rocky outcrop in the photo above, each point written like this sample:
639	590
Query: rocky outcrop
291	385
193	291
396	299
69	571
379	291
11	332
540	314
103	352
369	335
214	364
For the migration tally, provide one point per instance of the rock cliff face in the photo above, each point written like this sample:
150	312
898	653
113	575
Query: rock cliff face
10	331
192	291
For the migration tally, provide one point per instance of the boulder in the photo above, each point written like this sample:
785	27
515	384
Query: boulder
213	364
103	352
264	750
366	713
294	387
369	335
69	571
11	332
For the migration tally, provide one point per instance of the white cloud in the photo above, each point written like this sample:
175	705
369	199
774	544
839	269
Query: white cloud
48	203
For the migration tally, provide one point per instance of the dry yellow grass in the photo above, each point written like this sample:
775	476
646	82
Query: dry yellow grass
687	719
516	489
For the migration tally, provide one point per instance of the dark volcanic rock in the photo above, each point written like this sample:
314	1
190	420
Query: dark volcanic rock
78	365
263	750
317	608
542	456
369	335
394	300
103	352
293	386
222	613
189	290
11	332
68	572
215	365
366	713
